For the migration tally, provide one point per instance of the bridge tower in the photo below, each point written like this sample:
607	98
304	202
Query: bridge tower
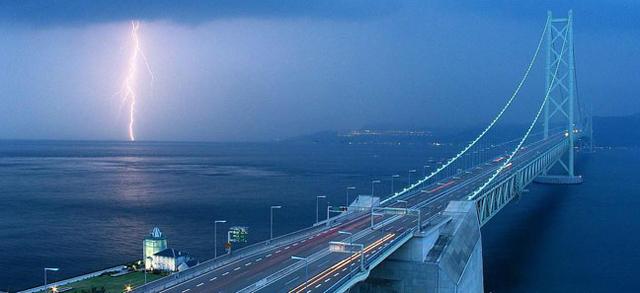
562	94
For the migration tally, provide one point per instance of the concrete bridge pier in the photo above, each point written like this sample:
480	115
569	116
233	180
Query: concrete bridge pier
446	257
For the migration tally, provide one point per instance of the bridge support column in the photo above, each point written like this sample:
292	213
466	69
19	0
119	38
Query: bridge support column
560	84
446	257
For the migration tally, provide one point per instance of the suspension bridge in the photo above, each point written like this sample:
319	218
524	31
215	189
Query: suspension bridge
426	236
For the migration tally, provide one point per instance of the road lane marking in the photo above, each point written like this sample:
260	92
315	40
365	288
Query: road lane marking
268	255
258	259
247	264
287	247
185	290
318	285
278	251
199	284
236	269
336	274
213	279
225	273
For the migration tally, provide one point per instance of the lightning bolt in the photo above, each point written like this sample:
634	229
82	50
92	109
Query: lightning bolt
128	90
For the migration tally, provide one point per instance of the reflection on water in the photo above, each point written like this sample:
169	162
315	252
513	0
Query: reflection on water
83	206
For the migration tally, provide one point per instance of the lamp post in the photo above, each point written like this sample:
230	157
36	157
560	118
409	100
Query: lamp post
215	237
347	233
411	171
306	267
374	214
45	275
424	171
403	201
271	222
372	186
392	177
317	206
349	188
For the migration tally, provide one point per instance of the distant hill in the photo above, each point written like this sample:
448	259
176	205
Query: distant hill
607	131
617	130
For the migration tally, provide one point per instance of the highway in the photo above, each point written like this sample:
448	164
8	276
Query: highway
273	270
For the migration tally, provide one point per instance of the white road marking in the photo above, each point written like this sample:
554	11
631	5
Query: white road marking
268	255
185	290
318	285
287	247
327	280
213	279
344	269
258	259
336	274
236	269
225	273
199	284
247	264
278	251
295	244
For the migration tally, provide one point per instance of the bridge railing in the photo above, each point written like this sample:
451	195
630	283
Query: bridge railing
493	199
241	253
373	258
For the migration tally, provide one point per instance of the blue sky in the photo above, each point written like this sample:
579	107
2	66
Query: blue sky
262	70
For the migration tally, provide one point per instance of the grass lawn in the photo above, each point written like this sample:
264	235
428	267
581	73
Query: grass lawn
111	284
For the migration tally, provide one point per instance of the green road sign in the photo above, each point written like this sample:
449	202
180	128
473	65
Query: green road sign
238	234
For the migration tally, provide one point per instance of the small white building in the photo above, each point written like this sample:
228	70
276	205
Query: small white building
171	260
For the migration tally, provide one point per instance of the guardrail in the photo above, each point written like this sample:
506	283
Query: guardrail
74	279
212	264
403	237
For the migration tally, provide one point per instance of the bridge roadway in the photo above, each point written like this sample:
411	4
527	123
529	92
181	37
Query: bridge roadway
325	268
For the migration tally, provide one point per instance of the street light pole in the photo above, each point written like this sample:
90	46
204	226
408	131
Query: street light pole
424	171
45	276
372	184
271	221
411	171
392	189
372	188
347	233
403	201
317	205
215	237
349	188
306	267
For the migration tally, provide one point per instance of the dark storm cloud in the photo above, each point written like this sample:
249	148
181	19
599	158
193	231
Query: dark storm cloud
69	12
593	14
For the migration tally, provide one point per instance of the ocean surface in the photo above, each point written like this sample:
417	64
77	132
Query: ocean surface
85	206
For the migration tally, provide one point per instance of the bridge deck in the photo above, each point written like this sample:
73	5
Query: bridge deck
271	269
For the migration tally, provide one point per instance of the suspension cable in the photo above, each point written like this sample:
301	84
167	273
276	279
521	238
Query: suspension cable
535	120
493	122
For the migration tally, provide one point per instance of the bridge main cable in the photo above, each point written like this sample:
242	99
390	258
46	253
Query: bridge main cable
482	134
526	135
